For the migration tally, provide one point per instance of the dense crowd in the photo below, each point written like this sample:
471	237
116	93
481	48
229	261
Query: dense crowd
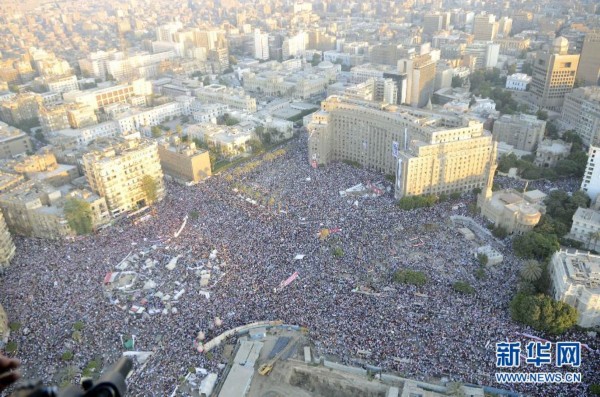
421	332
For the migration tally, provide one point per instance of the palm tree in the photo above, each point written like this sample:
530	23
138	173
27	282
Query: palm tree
531	270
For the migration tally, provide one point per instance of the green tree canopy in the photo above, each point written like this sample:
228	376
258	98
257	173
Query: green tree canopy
535	245
407	276
150	188
543	313
79	215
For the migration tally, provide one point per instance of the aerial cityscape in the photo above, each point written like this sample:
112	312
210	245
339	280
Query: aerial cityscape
295	198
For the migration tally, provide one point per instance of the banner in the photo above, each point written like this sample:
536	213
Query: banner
287	281
395	147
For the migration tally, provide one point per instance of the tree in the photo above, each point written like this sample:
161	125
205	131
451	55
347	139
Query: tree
595	388
316	59
535	245
407	276
457	82
500	232
482	258
150	188
206	81
463	287
79	215
551	130
531	270
256	145
156	131
543	313
542	114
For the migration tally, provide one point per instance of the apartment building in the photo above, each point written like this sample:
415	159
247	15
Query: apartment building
523	131
429	153
7	249
116	170
581	112
183	161
99	97
13	141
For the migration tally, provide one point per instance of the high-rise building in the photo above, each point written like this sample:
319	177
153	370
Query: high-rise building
505	26
23	108
589	63
485	27
432	23
126	173
591	179
581	112
420	72
553	75
430	153
13	141
53	118
261	45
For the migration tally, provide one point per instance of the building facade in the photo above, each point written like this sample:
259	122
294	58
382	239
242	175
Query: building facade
7	247
586	228
117	171
590	183
589	63
576	281
184	162
554	74
514	211
523	131
429	153
517	82
581	112
13	141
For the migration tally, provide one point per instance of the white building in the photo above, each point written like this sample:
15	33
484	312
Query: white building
591	179
234	98
295	45
576	281
586	228
518	82
209	112
261	45
62	84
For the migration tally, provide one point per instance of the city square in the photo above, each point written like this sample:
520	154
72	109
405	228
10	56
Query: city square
250	243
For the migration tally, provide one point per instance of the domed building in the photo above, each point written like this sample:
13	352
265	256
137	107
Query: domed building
516	212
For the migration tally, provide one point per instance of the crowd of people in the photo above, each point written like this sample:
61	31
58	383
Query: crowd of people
348	300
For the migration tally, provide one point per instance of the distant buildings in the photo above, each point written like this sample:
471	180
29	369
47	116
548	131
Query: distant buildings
119	172
591	179
576	281
514	211
261	45
429	153
420	72
97	98
234	98
518	82
230	141
581	112
23	108
523	131
554	74
13	141
589	63
485	27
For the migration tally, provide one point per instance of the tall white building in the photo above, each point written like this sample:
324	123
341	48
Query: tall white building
295	45
261	45
591	179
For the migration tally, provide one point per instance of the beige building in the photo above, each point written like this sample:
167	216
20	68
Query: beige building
4	330
44	168
23	108
553	75
513	45
116	169
231	141
234	98
420	72
183	161
581	112
589	63
550	152
576	281
53	118
485	27
430	153
80	115
7	251
516	212
523	131
13	141
36	209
